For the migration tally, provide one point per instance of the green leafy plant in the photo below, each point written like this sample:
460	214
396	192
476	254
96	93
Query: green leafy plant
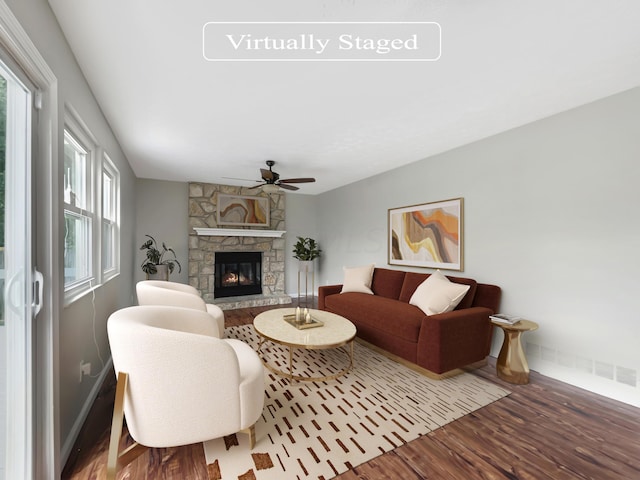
306	249
154	256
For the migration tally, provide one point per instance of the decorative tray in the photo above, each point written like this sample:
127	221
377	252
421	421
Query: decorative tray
291	319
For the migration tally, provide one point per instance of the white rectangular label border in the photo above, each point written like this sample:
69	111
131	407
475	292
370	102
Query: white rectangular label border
322	59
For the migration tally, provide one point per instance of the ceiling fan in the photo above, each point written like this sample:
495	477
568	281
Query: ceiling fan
270	177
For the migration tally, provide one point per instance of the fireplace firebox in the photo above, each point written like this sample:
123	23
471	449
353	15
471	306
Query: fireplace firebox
237	274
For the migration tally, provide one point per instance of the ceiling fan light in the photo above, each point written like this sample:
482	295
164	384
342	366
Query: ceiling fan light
270	188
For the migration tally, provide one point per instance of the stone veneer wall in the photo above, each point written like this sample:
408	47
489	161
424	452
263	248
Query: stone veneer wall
203	213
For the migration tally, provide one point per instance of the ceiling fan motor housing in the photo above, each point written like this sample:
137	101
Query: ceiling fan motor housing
270	176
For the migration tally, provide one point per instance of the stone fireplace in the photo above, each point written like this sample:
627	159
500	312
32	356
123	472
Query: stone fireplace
214	240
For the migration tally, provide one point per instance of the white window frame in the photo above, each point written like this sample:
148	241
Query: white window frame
45	455
18	440
110	170
81	135
94	212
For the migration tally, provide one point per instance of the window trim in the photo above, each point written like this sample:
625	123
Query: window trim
109	168
80	134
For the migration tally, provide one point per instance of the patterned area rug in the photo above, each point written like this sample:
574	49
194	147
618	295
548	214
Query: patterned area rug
322	429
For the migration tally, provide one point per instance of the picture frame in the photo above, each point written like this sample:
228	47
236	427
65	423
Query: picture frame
427	235
242	210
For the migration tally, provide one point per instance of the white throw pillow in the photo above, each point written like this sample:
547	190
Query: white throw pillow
358	279
437	294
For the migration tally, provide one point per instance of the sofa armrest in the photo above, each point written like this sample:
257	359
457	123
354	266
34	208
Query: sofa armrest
326	290
451	340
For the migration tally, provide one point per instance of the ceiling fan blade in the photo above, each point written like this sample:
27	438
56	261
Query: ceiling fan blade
287	187
256	186
298	180
242	179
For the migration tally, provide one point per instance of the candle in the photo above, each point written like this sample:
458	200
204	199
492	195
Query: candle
307	317
297	314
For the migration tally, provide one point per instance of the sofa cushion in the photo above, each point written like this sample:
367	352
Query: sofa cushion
413	279
358	279
467	301
387	283
410	283
487	296
383	314
437	294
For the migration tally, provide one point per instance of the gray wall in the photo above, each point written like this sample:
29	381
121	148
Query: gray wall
549	215
86	317
300	222
163	212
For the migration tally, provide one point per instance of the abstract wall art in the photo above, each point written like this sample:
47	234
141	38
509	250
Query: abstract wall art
242	210
427	235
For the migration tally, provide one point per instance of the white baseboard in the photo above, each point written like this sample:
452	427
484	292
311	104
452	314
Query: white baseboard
68	443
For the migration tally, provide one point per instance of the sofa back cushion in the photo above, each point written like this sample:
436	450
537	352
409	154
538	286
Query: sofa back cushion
488	296
412	280
387	283
467	301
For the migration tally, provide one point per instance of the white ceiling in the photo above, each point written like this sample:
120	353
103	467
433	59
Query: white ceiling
179	117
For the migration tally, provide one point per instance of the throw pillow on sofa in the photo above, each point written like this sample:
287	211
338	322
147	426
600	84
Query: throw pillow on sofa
437	294
358	279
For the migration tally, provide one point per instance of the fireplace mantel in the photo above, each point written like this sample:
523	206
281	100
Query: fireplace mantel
238	232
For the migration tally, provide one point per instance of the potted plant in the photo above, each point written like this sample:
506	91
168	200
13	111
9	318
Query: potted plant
154	264
306	250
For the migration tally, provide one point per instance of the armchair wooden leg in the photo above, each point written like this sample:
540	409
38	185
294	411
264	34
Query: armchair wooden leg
116	460
251	431
252	436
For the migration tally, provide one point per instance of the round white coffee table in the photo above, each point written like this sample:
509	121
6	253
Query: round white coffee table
336	332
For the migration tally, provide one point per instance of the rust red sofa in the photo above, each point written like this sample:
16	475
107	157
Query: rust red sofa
439	343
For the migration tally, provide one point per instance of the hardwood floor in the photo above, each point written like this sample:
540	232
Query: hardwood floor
543	430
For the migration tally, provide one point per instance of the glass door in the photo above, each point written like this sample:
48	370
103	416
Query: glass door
17	296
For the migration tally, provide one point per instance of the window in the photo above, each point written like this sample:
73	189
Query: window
17	338
110	217
91	211
79	213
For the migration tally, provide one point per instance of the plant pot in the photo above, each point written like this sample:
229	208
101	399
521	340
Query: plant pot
162	273
305	266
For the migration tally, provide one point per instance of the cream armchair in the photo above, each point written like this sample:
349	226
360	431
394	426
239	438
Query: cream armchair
178	383
159	292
